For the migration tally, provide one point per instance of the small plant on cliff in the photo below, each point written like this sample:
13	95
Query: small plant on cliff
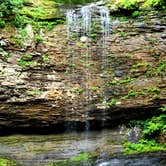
133	93
161	68
163	109
8	9
93	88
44	58
38	38
151	129
6	162
81	157
33	92
143	146
20	38
77	90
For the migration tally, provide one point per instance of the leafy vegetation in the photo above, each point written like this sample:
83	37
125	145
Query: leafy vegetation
161	68
33	92
136	5
133	93
20	38
151	128
143	146
81	157
6	162
8	8
77	90
74	1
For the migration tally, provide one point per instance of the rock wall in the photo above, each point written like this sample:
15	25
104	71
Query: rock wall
38	88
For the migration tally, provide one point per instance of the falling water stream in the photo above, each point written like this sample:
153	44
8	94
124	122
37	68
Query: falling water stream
84	24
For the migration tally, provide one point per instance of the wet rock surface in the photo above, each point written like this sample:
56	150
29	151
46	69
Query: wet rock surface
39	150
46	92
154	159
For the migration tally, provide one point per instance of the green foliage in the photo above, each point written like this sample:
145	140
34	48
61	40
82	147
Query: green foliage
123	34
109	103
93	88
20	38
138	65
133	93
163	108
124	81
127	4
1	49
161	68
112	102
152	126
37	25
127	80
156	96
7	56
2	23
19	21
155	125
26	60
143	146
81	157
74	1
77	90
135	13
151	71
6	162
25	63
33	92
150	129
38	38
136	5
9	8
154	3
44	58
26	57
154	89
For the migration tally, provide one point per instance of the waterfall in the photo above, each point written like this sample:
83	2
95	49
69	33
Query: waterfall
83	25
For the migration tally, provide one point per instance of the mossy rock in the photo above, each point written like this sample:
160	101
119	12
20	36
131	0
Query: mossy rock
41	10
7	162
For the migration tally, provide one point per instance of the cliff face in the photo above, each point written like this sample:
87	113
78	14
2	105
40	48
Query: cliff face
39	88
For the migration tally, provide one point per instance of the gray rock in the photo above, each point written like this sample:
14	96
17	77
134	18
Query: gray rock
141	25
116	22
163	36
3	43
118	73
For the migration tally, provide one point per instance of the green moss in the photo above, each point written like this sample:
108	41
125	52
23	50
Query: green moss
81	157
135	5
161	68
20	38
154	89
33	92
2	23
25	63
93	88
7	162
143	146
133	93
41	10
38	38
77	90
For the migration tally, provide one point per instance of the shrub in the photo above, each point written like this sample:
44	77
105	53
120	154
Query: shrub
8	7
2	23
19	21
